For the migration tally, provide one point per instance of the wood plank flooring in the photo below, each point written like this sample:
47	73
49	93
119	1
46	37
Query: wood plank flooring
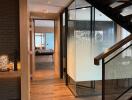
47	86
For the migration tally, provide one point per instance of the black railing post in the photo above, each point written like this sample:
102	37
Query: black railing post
103	79
66	37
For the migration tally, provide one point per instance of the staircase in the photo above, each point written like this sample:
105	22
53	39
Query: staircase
118	10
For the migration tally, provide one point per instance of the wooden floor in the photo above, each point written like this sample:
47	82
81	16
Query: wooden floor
47	86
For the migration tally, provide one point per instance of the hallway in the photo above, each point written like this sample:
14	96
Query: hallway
47	86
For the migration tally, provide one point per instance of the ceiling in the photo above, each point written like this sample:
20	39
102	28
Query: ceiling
47	6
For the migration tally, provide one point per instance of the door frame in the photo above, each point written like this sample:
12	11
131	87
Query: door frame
33	68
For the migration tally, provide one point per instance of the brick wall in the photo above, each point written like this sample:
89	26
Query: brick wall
9	27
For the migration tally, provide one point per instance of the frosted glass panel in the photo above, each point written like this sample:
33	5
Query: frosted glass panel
81	14
104	36
86	44
84	70
71	44
118	75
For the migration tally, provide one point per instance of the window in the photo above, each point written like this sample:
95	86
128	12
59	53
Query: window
40	40
44	40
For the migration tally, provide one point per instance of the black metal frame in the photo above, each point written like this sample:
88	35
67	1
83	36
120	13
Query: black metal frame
66	35
61	46
103	79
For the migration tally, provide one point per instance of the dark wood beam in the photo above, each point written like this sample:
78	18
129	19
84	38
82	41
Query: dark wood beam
129	17
129	20
108	11
106	2
123	1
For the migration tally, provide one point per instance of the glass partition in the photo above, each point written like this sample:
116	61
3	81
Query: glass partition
118	75
104	35
71	41
90	32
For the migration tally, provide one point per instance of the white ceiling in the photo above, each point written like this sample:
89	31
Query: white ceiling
47	6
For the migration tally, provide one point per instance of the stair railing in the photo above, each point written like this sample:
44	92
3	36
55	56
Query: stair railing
110	56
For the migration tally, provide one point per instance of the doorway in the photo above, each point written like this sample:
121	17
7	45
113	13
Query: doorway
44	49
